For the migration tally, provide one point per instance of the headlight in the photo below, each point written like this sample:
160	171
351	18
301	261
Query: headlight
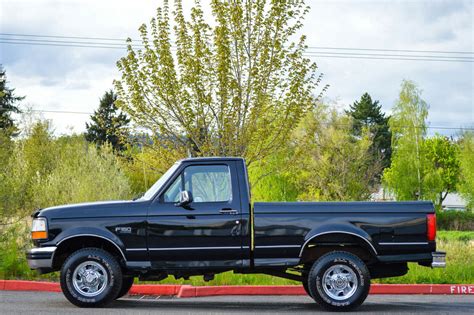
39	230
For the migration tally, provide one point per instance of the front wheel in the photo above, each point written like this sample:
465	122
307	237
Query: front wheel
91	277
339	281
127	283
304	282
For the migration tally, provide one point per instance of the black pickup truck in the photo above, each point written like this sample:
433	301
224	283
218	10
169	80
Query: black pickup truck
197	219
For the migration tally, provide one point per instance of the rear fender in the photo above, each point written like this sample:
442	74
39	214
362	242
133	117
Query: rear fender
312	236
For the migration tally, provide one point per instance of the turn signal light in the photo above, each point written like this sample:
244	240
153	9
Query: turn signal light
431	226
39	235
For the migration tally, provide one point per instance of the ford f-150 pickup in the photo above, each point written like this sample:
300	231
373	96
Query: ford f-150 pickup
198	220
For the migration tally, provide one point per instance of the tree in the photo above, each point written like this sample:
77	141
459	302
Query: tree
83	173
108	125
466	158
368	115
8	99
44	171
273	179
441	169
238	87
408	125
331	164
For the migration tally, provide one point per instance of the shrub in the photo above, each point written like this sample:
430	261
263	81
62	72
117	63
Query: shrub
455	220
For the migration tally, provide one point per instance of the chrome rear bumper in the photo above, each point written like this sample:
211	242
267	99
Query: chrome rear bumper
439	260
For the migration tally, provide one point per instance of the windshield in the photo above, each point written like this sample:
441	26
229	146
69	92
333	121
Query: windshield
156	186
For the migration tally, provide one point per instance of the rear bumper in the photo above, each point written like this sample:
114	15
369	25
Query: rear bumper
41	257
439	260
433	259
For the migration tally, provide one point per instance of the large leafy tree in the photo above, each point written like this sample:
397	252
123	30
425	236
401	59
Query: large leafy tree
332	165
109	124
8	101
441	169
236	85
408	125
368	116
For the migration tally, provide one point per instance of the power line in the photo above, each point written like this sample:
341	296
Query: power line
60	112
394	50
72	37
66	42
65	45
388	58
389	55
310	47
320	54
311	54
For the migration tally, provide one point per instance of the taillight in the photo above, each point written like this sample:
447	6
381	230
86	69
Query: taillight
431	226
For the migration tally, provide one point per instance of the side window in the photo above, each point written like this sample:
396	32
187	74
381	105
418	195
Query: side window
208	183
172	193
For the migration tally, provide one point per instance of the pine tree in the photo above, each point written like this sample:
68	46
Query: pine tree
108	124
367	114
7	105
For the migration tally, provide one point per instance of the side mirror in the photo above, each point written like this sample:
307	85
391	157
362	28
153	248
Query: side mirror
185	198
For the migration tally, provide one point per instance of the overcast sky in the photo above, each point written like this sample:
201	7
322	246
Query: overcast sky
73	79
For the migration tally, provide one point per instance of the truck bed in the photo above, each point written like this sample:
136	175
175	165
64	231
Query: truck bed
387	229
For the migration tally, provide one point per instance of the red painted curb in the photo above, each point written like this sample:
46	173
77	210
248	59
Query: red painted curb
192	291
19	285
456	289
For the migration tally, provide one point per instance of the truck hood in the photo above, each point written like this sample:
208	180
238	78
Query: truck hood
88	209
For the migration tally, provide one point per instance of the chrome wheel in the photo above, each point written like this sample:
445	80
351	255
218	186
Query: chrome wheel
339	282
90	278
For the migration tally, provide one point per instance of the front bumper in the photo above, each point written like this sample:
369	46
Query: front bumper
41	257
439	260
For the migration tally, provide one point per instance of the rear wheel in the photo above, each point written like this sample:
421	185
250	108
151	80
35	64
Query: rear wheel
339	281
91	277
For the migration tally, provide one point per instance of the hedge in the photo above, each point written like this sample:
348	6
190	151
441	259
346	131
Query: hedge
455	220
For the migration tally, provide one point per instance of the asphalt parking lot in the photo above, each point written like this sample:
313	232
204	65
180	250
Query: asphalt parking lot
20	302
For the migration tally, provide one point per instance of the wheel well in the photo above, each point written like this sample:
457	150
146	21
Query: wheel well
326	243
68	246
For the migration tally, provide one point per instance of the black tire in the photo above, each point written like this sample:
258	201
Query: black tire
304	282
89	260
127	283
354	277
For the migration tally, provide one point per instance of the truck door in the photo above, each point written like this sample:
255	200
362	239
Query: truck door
205	233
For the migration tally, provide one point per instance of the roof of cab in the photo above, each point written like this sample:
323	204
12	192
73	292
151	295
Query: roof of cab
212	158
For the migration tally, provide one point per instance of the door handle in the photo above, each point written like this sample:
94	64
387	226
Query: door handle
228	211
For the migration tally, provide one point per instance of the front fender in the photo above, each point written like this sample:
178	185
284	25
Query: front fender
88	231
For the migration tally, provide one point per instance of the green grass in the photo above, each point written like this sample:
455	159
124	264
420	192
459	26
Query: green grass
464	236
